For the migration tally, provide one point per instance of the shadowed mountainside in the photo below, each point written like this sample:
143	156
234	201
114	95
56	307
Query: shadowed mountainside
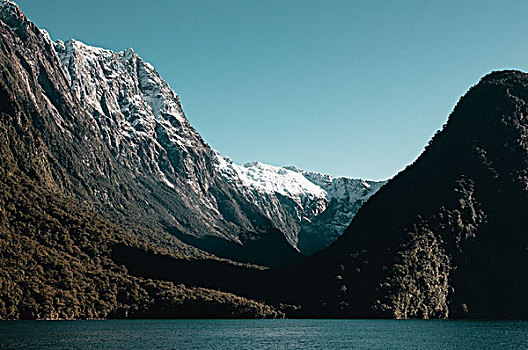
453	241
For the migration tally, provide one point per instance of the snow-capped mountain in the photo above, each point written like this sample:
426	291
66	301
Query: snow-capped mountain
312	209
138	115
122	144
141	119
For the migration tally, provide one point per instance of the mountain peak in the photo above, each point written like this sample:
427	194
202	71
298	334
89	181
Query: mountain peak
74	45
11	15
9	5
502	75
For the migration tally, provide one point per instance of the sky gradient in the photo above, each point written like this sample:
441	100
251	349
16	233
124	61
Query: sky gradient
349	88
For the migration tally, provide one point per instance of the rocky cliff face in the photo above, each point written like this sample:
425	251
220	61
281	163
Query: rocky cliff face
139	117
311	209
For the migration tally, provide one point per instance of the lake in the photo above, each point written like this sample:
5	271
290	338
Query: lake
264	334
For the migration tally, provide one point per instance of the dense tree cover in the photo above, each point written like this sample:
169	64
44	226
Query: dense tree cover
55	263
448	236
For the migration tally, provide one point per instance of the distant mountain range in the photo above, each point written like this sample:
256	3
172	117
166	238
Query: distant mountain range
311	209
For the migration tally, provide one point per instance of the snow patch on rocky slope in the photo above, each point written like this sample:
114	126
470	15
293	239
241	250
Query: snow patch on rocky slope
297	200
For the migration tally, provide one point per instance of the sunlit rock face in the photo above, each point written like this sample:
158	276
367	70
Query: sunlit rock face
312	209
141	119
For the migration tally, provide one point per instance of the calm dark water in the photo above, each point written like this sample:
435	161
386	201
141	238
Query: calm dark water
263	334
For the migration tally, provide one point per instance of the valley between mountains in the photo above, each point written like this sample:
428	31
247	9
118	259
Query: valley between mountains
113	206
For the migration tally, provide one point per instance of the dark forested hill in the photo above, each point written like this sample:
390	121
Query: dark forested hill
453	241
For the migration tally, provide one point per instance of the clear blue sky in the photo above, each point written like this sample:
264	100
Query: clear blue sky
353	88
